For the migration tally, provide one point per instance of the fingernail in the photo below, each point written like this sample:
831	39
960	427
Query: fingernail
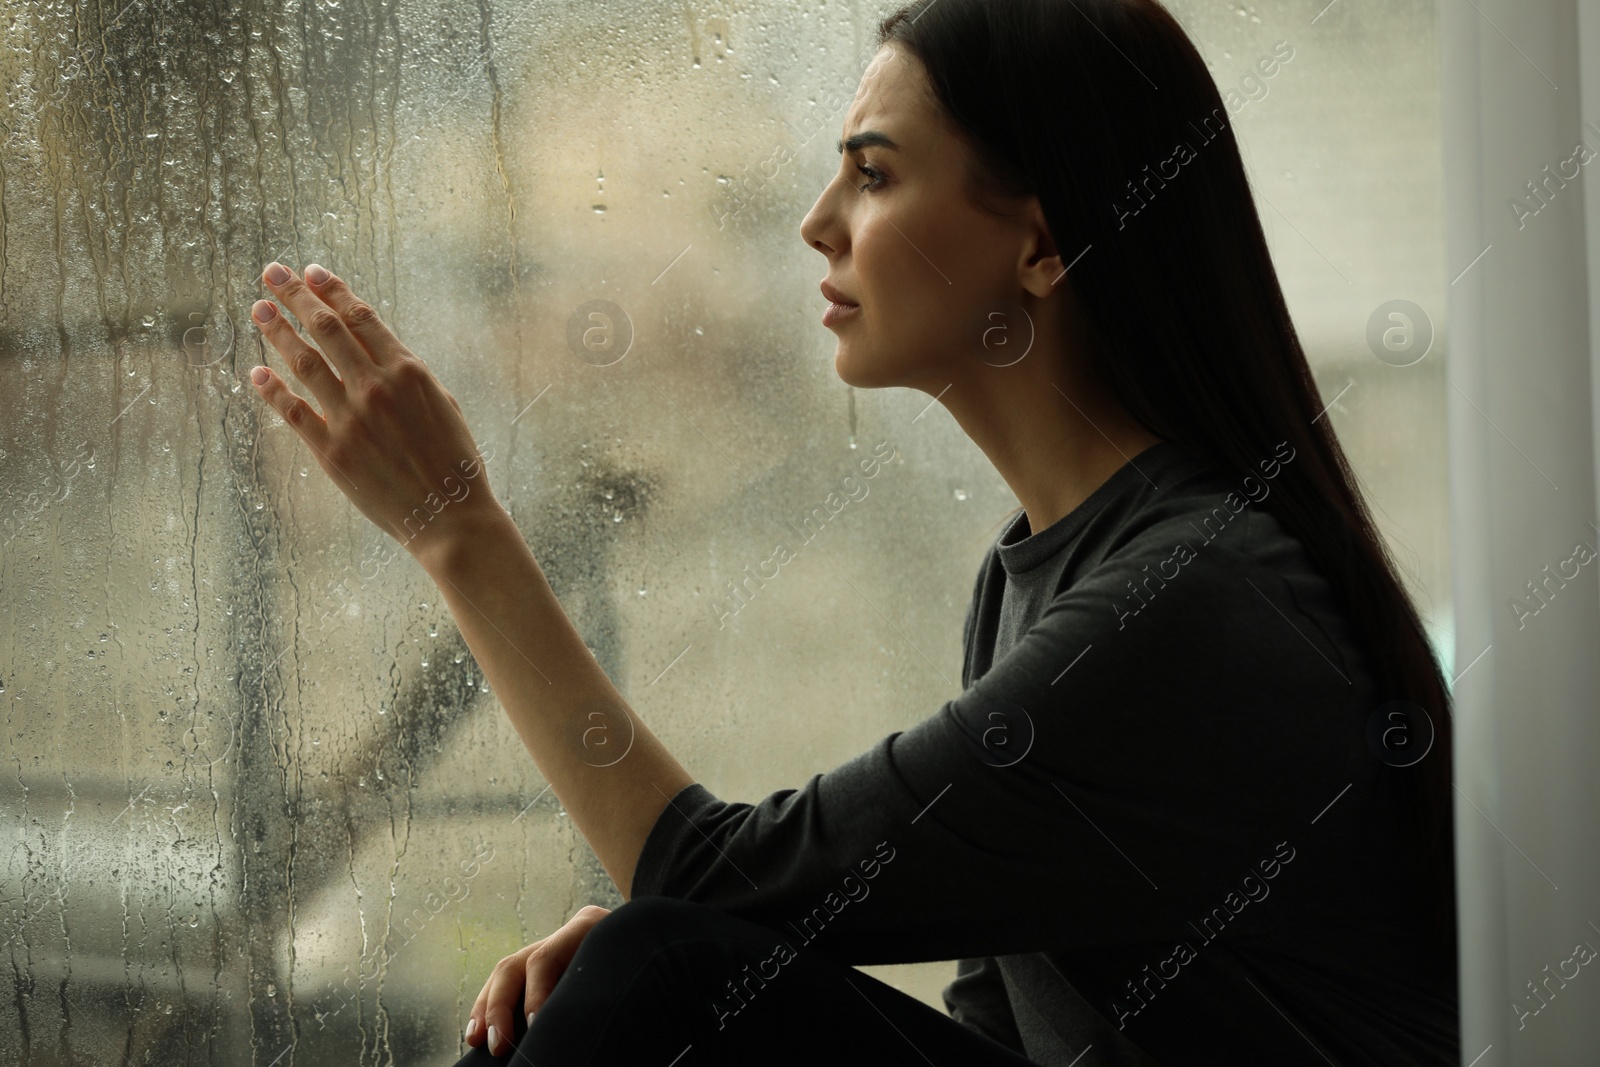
472	1029
259	376
315	274
530	1020
494	1041
264	310
277	273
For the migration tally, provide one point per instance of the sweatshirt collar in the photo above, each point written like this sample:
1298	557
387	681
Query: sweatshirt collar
1020	549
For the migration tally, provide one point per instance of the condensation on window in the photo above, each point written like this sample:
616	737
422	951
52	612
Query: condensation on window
257	803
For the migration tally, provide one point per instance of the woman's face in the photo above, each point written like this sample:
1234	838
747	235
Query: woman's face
926	267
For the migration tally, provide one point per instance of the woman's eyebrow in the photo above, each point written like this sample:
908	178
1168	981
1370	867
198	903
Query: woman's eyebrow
865	138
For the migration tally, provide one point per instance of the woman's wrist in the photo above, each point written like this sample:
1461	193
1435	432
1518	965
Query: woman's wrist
449	551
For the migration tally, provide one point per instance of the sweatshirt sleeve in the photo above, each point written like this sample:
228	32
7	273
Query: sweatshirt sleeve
1107	774
978	998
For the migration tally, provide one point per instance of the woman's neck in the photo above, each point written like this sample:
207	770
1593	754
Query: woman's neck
1053	437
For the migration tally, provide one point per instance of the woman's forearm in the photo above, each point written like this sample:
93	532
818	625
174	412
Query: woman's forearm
393	439
602	763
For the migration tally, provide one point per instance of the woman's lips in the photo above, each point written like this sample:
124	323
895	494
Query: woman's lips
836	296
840	306
837	312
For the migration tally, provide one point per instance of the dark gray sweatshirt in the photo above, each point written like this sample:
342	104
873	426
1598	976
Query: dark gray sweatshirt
1151	829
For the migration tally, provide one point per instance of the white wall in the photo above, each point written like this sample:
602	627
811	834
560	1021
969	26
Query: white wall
1516	74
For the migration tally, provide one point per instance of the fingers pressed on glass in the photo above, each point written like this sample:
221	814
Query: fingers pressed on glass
321	322
359	317
307	363
301	416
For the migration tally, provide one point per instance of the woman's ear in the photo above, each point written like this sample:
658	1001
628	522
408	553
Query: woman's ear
1041	270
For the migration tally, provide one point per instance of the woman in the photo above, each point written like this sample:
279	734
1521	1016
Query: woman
1194	802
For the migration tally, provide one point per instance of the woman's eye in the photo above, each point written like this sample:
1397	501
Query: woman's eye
877	178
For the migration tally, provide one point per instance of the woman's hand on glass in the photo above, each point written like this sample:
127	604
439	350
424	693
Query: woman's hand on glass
523	981
389	435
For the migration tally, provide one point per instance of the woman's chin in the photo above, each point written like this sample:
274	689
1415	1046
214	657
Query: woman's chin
849	374
841	365
853	370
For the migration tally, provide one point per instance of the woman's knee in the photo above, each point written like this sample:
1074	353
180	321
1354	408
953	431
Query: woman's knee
682	948
642	925
659	953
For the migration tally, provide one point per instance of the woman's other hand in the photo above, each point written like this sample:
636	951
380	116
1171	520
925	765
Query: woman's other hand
523	981
389	435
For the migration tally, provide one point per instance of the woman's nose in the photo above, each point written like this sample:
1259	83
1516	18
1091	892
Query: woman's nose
818	227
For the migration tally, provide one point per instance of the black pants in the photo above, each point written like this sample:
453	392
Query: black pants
650	987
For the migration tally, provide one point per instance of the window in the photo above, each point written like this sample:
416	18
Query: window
257	800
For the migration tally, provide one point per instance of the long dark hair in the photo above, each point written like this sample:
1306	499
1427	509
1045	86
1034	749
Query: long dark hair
1081	103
